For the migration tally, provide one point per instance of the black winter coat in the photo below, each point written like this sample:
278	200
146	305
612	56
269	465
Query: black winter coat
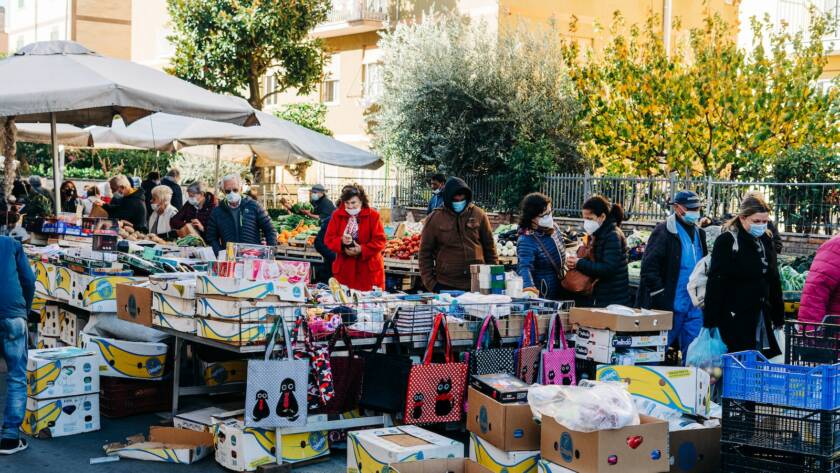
325	271
177	195
661	265
737	291
131	208
254	225
609	266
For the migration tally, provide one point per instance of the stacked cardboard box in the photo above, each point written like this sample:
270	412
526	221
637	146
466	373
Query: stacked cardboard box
611	338
173	303
503	436
487	279
371	451
62	392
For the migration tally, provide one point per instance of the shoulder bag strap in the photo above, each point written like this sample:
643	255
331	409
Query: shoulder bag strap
381	337
341	332
560	271
272	339
430	346
562	332
550	341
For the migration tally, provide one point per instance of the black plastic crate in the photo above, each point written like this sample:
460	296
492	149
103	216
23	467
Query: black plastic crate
813	344
735	458
789	429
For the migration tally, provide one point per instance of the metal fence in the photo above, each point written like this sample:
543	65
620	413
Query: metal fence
812	208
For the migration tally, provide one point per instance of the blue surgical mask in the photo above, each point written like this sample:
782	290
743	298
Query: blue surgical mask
757	230
459	206
691	216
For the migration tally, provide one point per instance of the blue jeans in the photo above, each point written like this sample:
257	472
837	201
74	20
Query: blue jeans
13	333
686	328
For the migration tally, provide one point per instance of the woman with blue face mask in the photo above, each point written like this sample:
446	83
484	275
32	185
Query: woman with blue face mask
744	291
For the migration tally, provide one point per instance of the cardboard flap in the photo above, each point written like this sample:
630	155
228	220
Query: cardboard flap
405	440
180	437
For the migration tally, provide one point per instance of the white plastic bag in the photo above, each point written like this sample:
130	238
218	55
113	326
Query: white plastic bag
591	406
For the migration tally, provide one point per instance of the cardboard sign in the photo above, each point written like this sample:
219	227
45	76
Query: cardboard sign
685	389
639	448
134	304
510	427
371	451
652	321
61	372
165	444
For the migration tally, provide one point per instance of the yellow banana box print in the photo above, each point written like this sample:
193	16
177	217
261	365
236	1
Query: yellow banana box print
39	305
165	444
244	310
370	451
222	372
544	466
684	389
62	283
44	277
171	305
498	461
97	293
60	372
233	287
241	448
123	359
304	446
63	416
232	332
175	322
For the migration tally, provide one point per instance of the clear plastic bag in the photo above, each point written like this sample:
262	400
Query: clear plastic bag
705	351
588	407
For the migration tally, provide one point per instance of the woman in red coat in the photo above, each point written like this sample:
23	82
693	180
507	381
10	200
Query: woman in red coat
357	237
821	294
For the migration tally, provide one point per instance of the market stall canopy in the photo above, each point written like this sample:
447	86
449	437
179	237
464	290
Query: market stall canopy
274	142
67	135
83	88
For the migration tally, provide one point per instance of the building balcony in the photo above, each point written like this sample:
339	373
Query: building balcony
349	17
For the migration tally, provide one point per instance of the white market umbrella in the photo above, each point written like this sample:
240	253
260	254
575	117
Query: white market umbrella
64	82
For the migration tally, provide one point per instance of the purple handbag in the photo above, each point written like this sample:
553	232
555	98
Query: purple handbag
558	365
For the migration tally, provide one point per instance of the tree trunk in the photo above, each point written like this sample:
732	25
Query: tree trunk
255	98
9	142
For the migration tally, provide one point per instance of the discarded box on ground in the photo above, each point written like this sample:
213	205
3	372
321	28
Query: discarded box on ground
171	305
639	448
124	359
134	304
651	321
61	372
234	333
372	450
175	322
61	416
165	444
510	427
695	450
70	326
685	389
244	310
241	448
49	324
200	420
448	465
499	461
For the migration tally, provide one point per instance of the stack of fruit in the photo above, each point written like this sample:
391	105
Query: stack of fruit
303	233
402	248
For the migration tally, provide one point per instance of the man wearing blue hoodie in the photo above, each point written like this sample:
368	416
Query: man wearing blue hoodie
16	295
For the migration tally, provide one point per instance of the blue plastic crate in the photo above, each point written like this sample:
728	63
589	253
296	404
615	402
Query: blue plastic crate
748	376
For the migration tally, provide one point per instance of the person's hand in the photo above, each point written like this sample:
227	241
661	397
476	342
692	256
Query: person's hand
571	262
197	224
97	203
532	290
353	251
346	239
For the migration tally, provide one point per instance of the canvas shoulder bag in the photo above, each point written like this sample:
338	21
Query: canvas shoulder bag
558	363
492	358
385	378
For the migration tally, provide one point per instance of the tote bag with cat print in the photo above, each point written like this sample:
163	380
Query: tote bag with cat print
558	364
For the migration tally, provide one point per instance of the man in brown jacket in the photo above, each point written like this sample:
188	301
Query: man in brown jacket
454	237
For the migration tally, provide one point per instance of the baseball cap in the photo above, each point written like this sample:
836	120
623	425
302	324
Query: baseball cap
687	199
318	188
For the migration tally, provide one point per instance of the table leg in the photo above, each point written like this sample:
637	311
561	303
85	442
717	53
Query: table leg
176	375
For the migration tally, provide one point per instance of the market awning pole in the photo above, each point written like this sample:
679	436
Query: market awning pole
216	173
56	166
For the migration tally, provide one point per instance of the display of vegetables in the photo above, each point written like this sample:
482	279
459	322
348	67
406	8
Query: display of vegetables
306	231
127	232
792	280
507	248
190	240
300	207
402	248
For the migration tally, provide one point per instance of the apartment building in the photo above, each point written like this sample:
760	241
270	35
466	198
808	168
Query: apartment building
102	25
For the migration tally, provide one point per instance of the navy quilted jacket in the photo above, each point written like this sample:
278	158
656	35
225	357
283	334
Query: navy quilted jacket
253	227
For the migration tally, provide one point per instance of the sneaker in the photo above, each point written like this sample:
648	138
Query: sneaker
10	446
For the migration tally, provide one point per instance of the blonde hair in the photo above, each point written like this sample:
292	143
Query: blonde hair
162	193
752	203
119	180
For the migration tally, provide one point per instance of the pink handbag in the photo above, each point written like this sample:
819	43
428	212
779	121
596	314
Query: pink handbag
558	365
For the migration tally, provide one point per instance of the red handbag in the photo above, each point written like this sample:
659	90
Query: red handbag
436	390
528	353
347	373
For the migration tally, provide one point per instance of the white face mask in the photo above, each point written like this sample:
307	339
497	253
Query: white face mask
155	206
591	226
117	195
546	221
193	201
233	198
353	212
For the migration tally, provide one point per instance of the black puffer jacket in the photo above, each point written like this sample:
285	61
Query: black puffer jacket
131	208
254	225
609	266
661	265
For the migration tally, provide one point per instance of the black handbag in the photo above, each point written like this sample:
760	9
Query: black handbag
348	371
493	358
385	379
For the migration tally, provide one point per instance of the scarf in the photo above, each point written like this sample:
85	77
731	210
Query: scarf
352	227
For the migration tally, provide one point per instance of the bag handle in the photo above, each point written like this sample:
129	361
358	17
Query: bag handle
395	336
272	340
496	337
302	323
530	330
553	336
341	332
438	328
